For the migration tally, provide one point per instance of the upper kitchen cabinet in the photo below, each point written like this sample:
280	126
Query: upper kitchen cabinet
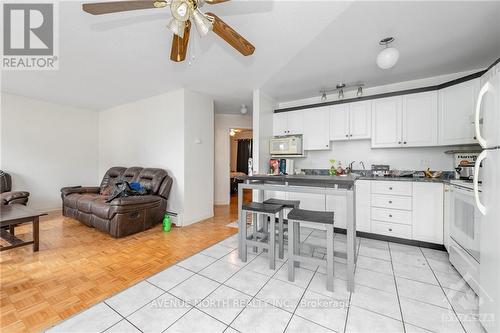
288	123
405	121
456	113
316	124
387	122
420	119
350	121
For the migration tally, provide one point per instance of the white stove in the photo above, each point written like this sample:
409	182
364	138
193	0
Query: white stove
467	184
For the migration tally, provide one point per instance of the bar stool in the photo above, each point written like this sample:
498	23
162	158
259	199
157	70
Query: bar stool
260	238
297	216
287	204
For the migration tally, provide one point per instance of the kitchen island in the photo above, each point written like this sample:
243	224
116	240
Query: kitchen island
325	185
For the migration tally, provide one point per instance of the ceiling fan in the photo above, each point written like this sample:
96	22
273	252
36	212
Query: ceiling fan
184	14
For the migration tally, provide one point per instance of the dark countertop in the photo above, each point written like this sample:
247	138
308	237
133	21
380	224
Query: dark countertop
346	181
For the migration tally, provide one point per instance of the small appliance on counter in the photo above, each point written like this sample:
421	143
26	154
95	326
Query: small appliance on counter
286	145
380	170
464	165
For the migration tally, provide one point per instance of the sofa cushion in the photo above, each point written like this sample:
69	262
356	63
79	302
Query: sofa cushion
101	208
151	179
71	200
111	177
84	202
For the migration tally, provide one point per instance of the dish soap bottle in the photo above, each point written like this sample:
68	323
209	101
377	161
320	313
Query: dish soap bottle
333	170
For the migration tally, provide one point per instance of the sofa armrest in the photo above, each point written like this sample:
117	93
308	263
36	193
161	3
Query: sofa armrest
7	197
135	200
79	189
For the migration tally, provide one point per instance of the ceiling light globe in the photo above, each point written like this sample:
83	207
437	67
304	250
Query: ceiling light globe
243	109
387	58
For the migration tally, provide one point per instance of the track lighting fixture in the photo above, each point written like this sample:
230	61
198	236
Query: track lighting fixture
359	93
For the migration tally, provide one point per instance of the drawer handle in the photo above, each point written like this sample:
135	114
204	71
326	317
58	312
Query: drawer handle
390	201
390	229
390	188
390	215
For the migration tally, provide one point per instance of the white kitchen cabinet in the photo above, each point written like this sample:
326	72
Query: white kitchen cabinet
387	122
360	116
288	123
427	223
350	121
363	190
456	113
280	126
339	122
317	129
420	119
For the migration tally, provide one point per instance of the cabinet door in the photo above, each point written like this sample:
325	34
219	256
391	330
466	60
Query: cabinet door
420	119
339	122
427	220
317	129
456	113
360	115
387	122
295	122
280	123
363	210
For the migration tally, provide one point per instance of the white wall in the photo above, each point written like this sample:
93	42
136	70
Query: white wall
146	133
162	132
198	157
223	123
263	108
46	146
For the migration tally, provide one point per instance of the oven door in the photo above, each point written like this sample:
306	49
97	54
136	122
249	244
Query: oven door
465	225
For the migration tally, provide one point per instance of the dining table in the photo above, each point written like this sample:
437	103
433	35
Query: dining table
314	184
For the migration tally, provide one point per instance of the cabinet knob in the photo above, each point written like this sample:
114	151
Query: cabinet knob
390	188
399	142
390	229
350	134
347	135
326	146
390	215
404	142
390	201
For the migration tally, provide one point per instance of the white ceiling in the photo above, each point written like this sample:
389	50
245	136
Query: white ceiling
300	47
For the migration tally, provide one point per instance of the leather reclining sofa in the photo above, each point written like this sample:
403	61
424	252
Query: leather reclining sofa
9	197
122	216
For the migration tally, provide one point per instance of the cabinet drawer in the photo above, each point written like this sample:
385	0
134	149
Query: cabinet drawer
391	215
391	201
391	229
393	188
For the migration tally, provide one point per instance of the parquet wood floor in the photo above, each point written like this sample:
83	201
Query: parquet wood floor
78	266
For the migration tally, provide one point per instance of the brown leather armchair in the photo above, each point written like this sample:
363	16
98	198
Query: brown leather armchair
8	197
122	216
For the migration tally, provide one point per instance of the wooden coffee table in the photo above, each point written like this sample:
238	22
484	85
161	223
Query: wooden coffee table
13	215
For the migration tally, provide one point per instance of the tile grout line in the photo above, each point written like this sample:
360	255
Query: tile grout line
445	295
124	318
397	289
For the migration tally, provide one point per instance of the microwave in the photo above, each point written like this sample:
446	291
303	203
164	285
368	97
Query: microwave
286	145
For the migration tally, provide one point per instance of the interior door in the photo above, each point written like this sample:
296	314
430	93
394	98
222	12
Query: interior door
420	119
360	120
339	122
387	122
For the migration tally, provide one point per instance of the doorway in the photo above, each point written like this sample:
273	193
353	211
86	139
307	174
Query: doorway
241	147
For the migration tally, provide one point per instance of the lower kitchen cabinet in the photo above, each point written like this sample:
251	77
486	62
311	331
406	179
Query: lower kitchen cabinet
427	222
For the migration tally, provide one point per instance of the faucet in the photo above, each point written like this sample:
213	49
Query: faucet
362	164
349	168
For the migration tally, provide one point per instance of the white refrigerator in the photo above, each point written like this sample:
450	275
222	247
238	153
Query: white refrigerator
487	123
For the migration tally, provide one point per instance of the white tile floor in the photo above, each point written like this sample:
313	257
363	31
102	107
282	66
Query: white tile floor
398	289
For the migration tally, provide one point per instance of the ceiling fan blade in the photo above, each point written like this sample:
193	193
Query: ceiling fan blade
180	45
231	37
100	8
214	2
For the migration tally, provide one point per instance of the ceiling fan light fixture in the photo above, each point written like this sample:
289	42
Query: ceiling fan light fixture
177	27
180	10
243	109
389	56
203	24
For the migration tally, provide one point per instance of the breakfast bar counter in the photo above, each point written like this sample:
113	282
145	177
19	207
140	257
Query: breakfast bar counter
316	184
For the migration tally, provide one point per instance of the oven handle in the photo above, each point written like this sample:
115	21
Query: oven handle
477	165
482	92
